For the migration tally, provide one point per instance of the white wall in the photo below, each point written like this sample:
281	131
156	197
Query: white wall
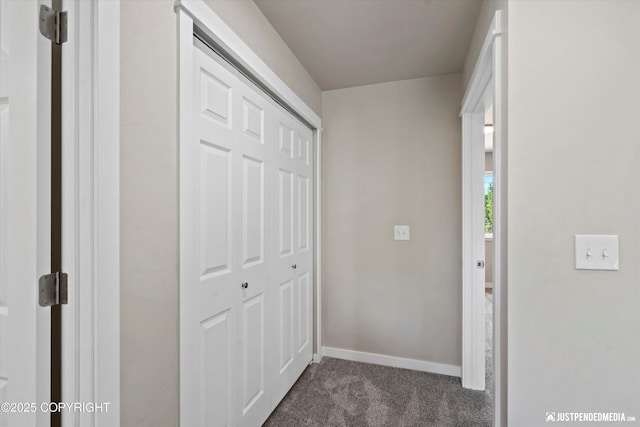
485	16
149	195
148	215
391	155
574	92
246	19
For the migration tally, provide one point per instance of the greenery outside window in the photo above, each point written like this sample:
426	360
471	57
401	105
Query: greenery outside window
488	205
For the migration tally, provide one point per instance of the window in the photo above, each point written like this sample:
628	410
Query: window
488	205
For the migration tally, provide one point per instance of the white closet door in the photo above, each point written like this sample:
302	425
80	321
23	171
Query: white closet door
210	373
293	264
228	297
254	218
246	292
304	245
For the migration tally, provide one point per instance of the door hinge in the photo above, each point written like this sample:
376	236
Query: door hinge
53	289
53	24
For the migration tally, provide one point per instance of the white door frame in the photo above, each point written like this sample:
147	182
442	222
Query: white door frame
485	81
91	210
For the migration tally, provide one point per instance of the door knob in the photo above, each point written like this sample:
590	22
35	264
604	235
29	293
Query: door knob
294	266
245	285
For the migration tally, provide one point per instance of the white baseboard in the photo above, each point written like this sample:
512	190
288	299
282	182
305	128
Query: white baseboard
317	357
396	362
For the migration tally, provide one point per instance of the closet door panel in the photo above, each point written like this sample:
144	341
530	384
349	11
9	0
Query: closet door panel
254	216
285	325
304	312
209	332
292	250
216	333
250	284
215	217
253	356
304	246
285	214
253	211
284	250
303	214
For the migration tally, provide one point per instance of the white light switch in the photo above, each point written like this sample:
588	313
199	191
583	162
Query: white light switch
597	252
401	232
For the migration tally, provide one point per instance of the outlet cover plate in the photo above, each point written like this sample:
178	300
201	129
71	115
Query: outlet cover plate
401	232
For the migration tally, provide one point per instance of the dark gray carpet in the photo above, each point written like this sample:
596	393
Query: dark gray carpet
342	393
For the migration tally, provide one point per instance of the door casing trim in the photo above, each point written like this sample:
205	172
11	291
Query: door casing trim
91	210
486	80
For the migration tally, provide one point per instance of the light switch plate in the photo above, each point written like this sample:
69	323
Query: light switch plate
597	252
401	232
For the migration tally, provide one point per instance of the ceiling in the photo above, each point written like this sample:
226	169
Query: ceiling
345	43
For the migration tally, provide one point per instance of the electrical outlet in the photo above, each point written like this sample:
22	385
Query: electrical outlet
401	232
